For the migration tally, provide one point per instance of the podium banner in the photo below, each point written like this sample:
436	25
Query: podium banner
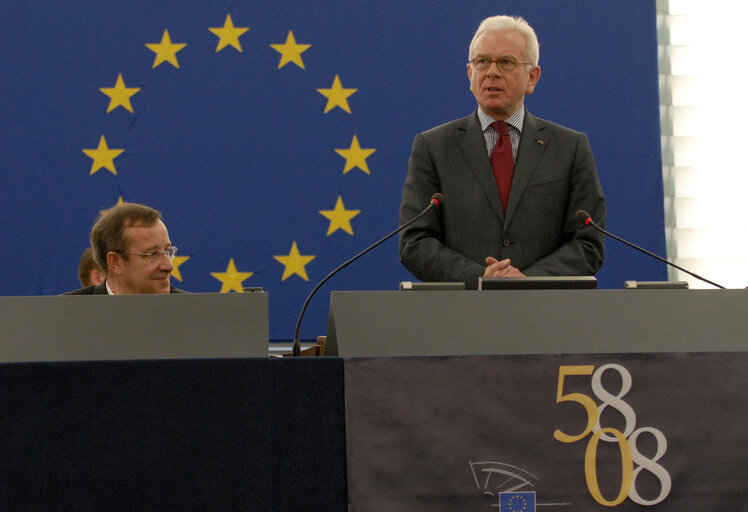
556	433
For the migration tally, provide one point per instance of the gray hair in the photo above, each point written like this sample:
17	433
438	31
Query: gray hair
503	23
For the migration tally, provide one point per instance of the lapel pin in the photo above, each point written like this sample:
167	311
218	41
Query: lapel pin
539	141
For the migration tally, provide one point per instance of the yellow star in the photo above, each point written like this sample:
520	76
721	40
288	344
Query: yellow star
166	51
119	95
119	202
229	35
103	157
340	218
336	96
177	261
355	156
231	279
294	263
290	51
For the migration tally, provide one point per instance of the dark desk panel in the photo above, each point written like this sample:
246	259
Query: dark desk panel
270	434
308	431
465	433
177	435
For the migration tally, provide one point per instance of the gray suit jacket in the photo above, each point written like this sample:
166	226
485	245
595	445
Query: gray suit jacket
554	177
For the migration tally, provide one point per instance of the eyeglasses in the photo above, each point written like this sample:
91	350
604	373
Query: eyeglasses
170	253
504	63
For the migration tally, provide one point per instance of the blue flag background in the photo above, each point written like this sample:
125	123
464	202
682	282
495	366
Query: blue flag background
517	502
274	164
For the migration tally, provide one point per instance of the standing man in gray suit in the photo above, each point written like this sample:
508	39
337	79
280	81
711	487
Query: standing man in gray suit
510	199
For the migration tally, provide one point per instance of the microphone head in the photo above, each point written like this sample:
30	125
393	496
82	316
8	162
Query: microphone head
437	199
583	217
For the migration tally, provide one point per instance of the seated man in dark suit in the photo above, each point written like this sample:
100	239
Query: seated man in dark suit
131	244
512	182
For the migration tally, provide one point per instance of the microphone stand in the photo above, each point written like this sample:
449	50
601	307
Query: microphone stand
586	219
436	200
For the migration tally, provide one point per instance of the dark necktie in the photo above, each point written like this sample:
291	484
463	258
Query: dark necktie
502	162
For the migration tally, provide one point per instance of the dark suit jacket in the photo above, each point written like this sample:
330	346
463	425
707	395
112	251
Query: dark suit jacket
554	176
100	289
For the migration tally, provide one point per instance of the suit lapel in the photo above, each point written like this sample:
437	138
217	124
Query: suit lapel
531	147
473	147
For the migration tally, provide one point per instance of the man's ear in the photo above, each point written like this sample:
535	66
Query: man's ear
97	276
114	262
533	80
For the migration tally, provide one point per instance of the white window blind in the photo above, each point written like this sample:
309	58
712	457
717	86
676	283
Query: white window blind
703	104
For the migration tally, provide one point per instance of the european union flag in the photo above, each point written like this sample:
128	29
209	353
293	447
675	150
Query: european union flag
274	136
517	501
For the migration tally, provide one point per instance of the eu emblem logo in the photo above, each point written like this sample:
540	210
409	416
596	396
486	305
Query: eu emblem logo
517	501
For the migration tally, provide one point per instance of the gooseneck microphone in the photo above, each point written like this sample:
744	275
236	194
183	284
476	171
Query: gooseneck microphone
584	218
436	201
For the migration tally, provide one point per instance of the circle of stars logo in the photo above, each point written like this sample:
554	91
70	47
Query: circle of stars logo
517	503
166	52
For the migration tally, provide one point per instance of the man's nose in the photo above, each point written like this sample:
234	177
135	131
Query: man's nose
165	263
494	69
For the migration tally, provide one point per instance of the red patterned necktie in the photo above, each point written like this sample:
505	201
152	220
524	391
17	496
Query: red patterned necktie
502	162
